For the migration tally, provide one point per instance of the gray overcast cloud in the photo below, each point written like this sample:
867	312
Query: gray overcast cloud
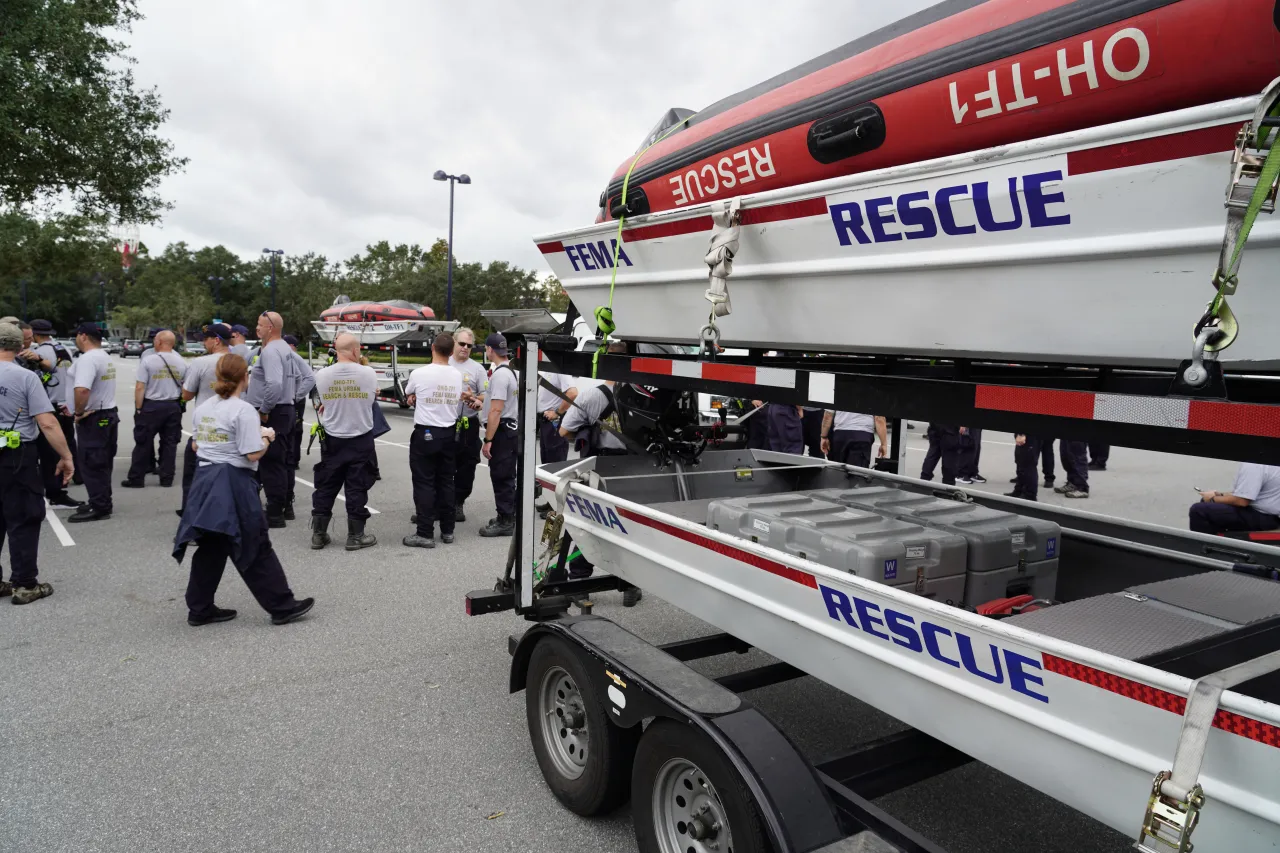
317	124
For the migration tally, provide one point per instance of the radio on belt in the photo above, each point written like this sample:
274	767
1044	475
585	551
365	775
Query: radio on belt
1008	554
874	547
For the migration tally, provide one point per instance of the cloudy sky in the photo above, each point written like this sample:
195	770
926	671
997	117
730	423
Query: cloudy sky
317	124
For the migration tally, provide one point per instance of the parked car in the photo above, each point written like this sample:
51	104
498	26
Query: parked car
133	348
113	346
194	348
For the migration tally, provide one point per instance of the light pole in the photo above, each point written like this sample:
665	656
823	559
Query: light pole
274	253
102	297
216	281
442	175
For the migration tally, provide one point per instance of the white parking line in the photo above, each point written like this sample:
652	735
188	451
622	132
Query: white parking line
58	530
372	511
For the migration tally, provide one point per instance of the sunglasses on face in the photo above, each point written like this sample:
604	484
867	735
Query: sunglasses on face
465	344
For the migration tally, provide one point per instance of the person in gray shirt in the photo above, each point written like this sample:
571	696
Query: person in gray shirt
97	422
238	346
1252	504
197	388
25	412
56	382
347	391
271	392
500	420
157	411
304	381
467	443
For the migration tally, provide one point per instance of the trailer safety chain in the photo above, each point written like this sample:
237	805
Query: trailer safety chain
1255	178
727	228
1173	809
604	314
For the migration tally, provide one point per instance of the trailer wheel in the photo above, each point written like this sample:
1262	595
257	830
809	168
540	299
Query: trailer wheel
687	798
585	758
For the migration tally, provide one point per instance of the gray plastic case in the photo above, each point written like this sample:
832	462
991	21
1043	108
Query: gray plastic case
1008	554
875	547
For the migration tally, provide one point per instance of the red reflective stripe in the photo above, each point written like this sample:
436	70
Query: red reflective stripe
729	373
551	248
1245	727
729	551
1238	418
651	365
547	485
1174	146
667	229
1035	401
1264	537
787	210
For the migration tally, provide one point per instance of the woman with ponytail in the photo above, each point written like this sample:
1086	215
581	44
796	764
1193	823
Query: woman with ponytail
224	515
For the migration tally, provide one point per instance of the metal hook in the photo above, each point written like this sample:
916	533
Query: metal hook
1196	374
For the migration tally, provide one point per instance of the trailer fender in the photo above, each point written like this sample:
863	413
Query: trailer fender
642	681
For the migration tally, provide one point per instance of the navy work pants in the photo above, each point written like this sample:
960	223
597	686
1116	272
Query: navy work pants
346	465
1223	518
970	452
467	453
189	464
21	510
156	418
502	467
96	441
812	421
1026	458
264	576
944	446
554	446
1046	460
273	469
1099	453
433	465
53	486
1075	462
851	447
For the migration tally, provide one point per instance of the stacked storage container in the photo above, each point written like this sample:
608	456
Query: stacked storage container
903	554
1007	554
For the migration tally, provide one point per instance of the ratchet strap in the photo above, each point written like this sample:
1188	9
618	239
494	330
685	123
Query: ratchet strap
1249	163
604	314
1176	796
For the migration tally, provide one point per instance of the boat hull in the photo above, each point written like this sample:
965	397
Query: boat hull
1095	246
960	76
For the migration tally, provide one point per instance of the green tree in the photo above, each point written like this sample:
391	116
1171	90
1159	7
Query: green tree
134	318
73	125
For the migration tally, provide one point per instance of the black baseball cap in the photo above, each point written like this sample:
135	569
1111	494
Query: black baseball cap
90	329
497	343
42	327
217	330
291	340
240	330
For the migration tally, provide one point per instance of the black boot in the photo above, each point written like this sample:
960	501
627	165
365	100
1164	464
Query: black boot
288	512
458	514
503	525
356	537
320	531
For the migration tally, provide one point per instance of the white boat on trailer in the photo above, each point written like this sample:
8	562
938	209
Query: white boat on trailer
1096	246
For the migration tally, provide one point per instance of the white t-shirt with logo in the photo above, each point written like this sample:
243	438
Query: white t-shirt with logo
1260	485
226	430
347	391
438	390
201	374
162	373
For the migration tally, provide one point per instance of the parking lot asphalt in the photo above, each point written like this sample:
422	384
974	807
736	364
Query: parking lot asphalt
382	722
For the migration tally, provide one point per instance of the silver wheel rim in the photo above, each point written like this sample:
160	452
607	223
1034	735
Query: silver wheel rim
564	722
687	813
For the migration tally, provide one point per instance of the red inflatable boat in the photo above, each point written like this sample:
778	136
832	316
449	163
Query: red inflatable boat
376	312
963	75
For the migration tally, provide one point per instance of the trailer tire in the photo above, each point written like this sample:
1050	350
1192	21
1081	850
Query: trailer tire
588	765
685	793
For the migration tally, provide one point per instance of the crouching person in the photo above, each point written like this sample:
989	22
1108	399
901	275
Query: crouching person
588	425
224	515
347	458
